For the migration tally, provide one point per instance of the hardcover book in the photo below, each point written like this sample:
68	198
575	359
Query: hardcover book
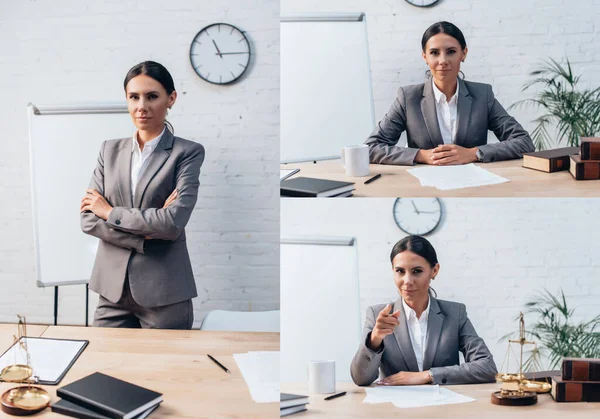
584	169
581	369
549	160
590	148
575	391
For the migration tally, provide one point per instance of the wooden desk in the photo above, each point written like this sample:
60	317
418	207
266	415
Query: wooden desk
171	362
397	182
7	331
351	405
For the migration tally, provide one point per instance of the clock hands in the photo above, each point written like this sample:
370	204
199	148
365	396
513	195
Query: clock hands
415	207
230	53
218	51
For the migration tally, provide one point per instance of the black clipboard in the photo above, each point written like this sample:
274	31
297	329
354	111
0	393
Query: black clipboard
68	367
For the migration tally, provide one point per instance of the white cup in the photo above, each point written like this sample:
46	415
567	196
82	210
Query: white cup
321	377
355	159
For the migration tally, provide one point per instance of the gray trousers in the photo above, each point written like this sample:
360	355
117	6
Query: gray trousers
127	313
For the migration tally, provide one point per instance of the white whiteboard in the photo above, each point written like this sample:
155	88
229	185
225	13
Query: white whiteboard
326	94
320	305
64	142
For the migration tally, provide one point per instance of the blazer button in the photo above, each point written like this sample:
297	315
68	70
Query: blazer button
368	358
118	222
444	381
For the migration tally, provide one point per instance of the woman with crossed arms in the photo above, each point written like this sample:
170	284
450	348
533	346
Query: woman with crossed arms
416	340
140	199
446	119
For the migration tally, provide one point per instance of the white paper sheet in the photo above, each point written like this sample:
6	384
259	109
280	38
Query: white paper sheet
455	177
49	357
261	373
414	396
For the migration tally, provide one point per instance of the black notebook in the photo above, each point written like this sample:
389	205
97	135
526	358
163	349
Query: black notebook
311	187
291	400
67	408
110	396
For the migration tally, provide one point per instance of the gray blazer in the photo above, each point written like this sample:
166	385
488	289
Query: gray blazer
478	111
448	331
159	270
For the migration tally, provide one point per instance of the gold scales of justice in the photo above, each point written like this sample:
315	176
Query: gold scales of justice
516	389
28	398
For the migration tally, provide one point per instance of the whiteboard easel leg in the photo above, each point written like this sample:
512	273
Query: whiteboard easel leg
55	305
87	303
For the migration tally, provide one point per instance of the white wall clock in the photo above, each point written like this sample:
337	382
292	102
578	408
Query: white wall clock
220	53
418	215
422	3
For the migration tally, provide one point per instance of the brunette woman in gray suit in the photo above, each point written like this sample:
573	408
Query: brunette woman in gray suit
416	340
446	119
140	199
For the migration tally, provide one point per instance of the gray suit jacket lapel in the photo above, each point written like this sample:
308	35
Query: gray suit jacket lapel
124	174
403	338
156	160
463	113
430	114
434	329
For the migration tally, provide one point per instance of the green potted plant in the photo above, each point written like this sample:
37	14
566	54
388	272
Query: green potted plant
557	334
574	113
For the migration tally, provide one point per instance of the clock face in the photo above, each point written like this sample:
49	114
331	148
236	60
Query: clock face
220	53
417	215
422	3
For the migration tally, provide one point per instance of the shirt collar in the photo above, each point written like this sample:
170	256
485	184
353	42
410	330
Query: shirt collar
149	145
410	312
441	97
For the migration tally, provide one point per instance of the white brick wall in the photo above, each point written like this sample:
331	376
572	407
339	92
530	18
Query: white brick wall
506	40
64	51
495	254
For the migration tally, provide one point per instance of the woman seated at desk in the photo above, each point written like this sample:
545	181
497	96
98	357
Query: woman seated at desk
416	340
446	119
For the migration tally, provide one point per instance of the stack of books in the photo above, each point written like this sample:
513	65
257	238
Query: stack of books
586	165
580	381
100	396
292	403
306	187
550	161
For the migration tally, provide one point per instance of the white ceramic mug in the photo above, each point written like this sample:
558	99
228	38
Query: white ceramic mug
321	377
355	159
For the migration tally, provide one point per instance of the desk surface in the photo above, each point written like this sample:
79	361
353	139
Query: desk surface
171	362
397	182
351	405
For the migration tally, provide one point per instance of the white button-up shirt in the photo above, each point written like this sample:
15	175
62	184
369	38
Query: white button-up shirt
417	329
446	113
139	158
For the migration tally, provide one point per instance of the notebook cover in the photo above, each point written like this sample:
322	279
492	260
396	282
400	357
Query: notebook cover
291	410
575	391
67	408
590	148
109	396
558	159
584	169
581	369
291	400
311	187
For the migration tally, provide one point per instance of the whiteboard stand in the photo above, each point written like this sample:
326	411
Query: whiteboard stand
54	131
326	90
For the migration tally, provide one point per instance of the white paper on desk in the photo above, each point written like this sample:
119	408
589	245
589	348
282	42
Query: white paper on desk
261	373
455	177
49	357
414	396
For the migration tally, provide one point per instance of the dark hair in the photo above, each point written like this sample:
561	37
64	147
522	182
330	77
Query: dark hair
416	244
156	71
419	245
444	27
